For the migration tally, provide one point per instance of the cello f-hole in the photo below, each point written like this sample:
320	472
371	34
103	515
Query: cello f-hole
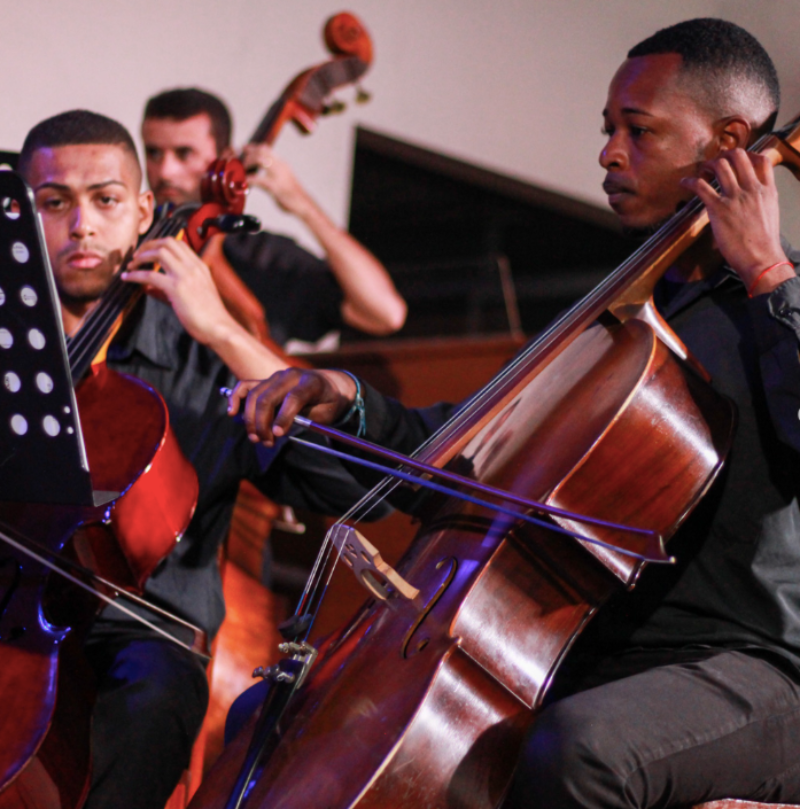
408	650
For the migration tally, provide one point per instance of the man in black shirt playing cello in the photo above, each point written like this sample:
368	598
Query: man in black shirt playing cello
152	695
687	689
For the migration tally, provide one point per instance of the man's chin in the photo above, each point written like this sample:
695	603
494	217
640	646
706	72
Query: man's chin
641	232
174	197
84	290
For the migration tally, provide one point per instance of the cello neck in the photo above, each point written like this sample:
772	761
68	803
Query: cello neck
89	345
625	293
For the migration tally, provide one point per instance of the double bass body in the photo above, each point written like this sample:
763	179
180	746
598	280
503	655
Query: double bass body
424	704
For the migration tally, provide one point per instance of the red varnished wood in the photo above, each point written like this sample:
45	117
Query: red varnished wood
28	643
131	449
45	718
410	709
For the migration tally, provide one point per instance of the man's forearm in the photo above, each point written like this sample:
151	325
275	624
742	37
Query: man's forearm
371	302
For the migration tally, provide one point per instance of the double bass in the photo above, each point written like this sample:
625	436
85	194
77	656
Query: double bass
422	698
56	545
304	99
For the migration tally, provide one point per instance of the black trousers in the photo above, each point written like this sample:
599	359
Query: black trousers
152	697
666	729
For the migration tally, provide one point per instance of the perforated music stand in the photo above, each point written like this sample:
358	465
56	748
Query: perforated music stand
42	455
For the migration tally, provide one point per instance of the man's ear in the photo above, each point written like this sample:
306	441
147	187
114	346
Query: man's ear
145	211
733	133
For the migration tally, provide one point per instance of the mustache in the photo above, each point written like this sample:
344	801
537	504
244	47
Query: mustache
614	186
71	250
641	234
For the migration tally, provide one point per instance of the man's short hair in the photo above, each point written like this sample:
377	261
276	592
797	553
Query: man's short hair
728	70
186	102
75	128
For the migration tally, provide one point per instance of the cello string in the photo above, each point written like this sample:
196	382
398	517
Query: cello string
571	317
118	295
646	253
574	315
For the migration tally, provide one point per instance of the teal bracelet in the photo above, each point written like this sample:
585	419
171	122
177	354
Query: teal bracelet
357	407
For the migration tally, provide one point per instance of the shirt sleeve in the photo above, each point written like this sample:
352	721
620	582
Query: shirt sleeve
776	326
305	478
300	295
402	429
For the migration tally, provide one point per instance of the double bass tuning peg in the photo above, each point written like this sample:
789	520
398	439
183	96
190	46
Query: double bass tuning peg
334	108
362	95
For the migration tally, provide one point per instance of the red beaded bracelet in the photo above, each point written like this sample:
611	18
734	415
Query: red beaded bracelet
764	272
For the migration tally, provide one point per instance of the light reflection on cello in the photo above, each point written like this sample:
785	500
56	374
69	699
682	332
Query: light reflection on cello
425	707
150	488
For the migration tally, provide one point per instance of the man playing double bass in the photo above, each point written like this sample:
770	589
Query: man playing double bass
304	297
687	689
152	694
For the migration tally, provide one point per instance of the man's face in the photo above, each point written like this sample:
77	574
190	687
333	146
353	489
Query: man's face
656	135
177	154
92	212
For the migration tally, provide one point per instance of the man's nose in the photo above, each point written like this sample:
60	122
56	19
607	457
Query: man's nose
170	167
613	154
82	224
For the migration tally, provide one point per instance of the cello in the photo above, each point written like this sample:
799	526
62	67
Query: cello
145	492
422	698
304	99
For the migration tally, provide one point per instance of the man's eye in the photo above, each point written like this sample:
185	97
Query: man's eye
183	154
152	153
108	201
52	204
607	131
637	131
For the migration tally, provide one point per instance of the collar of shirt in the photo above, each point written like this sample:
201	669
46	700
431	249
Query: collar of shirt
151	335
690	291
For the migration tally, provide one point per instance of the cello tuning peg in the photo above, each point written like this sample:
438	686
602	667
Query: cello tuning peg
334	108
362	95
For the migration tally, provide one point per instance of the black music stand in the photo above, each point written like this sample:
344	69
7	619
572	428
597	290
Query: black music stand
42	455
9	160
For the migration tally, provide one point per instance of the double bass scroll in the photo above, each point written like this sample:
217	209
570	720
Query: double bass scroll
305	98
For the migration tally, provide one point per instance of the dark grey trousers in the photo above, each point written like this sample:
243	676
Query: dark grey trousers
152	697
656	729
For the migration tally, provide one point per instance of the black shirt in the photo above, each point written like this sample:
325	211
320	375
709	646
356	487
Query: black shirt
737	581
188	376
300	296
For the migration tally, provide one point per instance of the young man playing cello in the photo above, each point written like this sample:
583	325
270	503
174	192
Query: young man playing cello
152	695
304	298
687	689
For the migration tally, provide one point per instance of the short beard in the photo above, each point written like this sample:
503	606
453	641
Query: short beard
642	234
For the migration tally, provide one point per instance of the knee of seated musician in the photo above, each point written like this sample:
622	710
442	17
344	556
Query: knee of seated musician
158	691
243	707
567	760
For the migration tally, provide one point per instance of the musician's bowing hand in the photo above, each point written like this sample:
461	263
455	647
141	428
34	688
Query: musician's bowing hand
186	283
745	216
270	406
